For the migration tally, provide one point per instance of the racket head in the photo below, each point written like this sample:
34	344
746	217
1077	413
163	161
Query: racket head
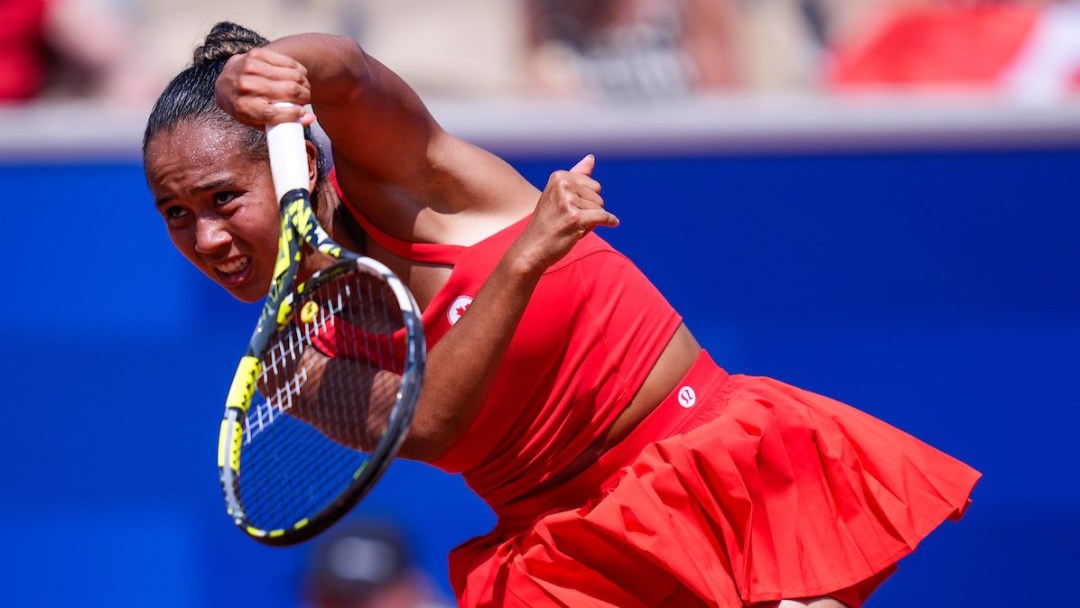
315	420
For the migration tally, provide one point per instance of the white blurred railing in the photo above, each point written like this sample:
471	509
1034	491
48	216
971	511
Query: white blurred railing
730	124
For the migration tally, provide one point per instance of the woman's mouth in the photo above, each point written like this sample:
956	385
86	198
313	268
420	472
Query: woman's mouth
234	271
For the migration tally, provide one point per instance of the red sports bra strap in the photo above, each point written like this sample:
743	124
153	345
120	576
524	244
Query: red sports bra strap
428	253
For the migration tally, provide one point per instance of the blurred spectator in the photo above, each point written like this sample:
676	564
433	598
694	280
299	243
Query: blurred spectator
1029	49
627	49
779	44
66	48
601	49
169	30
448	49
366	564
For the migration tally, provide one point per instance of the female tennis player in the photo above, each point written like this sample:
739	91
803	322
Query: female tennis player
625	467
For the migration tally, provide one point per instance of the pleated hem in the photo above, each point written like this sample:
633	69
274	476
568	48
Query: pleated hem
773	493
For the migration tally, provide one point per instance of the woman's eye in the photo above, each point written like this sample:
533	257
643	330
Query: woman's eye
224	198
175	213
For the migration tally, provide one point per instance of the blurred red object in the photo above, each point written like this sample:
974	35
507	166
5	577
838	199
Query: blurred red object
23	55
937	45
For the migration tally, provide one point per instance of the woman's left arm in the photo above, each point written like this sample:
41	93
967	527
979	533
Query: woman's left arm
464	363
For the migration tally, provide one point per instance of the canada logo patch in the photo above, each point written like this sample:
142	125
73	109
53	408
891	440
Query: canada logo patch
458	308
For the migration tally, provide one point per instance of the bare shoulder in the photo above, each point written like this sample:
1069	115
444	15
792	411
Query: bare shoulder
457	193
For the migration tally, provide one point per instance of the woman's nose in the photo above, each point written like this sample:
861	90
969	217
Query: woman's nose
211	235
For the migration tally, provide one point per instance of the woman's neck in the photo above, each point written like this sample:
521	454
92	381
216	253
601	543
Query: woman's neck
336	219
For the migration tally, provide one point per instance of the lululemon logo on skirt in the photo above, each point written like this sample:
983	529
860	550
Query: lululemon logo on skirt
458	308
687	397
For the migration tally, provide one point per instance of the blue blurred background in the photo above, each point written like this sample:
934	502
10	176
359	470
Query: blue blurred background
937	290
873	200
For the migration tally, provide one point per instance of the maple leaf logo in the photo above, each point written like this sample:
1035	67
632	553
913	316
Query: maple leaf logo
458	308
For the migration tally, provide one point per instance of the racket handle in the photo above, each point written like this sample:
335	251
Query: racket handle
288	156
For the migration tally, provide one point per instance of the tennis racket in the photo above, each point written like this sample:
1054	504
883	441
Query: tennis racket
326	390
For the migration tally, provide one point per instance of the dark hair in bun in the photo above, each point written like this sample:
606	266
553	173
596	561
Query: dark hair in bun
191	95
225	40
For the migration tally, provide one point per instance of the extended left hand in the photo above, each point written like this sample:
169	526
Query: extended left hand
569	208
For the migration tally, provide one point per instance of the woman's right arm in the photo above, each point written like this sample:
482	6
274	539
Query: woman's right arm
389	151
375	120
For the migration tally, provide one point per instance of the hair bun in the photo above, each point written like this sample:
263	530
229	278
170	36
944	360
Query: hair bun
225	40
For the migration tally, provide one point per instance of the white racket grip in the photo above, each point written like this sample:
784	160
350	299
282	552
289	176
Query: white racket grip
288	156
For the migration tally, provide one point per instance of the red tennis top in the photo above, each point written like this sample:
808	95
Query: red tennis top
588	338
734	491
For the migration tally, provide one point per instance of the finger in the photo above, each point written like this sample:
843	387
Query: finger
274	90
585	165
610	220
567	182
255	78
281	112
587	199
586	183
292	92
275	58
591	218
294	73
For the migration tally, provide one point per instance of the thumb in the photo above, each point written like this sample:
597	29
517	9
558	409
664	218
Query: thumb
585	165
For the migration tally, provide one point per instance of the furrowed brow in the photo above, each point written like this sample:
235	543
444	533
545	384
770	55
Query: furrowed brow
218	184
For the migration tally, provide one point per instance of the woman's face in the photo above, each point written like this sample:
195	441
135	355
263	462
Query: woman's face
218	204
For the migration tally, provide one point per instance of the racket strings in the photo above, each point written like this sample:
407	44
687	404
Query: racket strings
330	381
281	401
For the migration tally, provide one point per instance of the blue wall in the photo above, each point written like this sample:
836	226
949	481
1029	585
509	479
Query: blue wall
939	291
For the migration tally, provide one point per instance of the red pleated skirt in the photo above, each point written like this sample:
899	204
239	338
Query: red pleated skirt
735	490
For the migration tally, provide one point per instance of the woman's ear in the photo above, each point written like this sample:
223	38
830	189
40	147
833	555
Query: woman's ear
313	164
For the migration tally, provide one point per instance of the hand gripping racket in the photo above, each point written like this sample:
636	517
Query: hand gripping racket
325	393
